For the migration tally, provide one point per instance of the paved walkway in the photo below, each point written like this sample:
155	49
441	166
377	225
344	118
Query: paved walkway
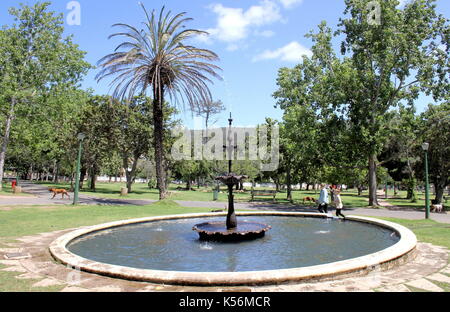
41	196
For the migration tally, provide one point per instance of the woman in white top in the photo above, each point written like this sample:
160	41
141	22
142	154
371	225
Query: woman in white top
338	202
323	199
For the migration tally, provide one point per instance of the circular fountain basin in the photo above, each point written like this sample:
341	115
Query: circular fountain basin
217	231
299	247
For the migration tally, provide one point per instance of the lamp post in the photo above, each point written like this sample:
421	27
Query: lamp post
80	138
425	147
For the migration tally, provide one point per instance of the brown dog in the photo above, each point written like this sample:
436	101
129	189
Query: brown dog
309	199
59	191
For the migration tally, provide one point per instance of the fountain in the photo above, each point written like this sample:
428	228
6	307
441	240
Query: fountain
231	230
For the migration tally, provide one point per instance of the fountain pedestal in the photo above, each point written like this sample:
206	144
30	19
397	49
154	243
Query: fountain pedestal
231	230
218	231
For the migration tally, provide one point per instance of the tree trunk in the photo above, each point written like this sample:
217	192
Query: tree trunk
82	176
130	175
55	172
31	173
93	179
129	182
167	175
440	188
411	190
373	200
288	182
5	141
277	186
71	182
158	131
360	189
188	184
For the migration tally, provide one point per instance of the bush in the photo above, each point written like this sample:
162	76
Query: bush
152	183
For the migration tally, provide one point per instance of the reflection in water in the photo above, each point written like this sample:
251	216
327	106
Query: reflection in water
292	242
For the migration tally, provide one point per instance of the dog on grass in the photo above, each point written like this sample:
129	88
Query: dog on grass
59	191
309	199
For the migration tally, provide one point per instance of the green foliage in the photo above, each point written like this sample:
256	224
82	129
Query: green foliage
159	58
152	183
350	95
435	127
99	120
136	134
39	73
34	55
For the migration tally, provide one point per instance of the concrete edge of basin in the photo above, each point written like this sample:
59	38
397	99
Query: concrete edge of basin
388	257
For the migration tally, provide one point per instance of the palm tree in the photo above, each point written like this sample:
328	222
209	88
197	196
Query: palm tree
158	57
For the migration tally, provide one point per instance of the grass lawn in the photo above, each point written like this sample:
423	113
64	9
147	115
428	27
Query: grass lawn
428	231
22	221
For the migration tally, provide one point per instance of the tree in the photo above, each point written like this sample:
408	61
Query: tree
381	65
402	150
44	138
99	122
158	57
436	131
208	110
134	141
389	61
313	136
34	58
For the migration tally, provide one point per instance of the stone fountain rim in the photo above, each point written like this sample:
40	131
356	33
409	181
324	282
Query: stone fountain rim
387	257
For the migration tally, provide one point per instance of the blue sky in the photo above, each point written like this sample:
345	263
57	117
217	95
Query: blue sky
253	38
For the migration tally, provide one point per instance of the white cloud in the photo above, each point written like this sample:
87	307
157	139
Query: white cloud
234	24
290	3
292	52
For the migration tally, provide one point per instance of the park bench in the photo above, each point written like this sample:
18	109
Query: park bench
272	193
